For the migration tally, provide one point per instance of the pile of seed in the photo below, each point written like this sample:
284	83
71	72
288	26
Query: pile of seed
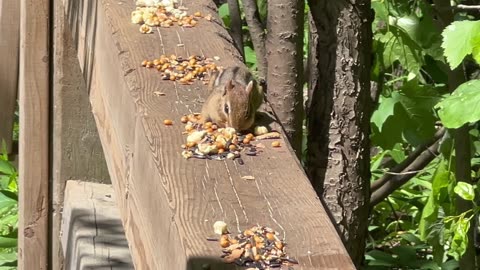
207	141
257	248
164	14
183	70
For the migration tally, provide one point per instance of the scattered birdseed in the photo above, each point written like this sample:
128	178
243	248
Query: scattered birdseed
165	13
183	70
207	141
257	248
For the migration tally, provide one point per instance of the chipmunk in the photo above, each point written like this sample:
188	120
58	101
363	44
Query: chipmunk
233	100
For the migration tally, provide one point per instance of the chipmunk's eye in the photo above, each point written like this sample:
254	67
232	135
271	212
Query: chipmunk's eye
226	109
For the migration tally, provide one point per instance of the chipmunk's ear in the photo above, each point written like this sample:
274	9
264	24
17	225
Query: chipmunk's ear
228	86
249	87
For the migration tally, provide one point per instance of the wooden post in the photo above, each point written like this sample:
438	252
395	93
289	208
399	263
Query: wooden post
9	43
33	141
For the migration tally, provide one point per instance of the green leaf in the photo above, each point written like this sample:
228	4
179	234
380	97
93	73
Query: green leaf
8	258
429	215
400	47
458	40
450	265
250	57
460	238
381	258
476	49
8	242
6	167
262	9
440	181
405	115
406	255
465	191
385	110
462	106
224	14
398	153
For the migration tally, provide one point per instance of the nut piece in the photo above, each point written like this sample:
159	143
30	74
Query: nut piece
224	242
260	130
220	227
145	29
275	144
167	122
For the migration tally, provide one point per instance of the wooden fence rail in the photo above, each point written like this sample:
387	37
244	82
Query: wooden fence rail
167	204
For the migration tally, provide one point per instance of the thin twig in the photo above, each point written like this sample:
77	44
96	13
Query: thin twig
407	162
236	26
405	173
396	181
257	33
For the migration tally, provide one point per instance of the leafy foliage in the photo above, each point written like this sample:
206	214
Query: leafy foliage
8	214
462	106
460	39
409	52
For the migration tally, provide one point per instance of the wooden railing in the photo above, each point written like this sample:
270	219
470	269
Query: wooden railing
168	204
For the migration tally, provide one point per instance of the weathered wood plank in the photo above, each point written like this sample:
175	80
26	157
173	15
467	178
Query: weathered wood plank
92	232
9	46
77	151
33	141
168	204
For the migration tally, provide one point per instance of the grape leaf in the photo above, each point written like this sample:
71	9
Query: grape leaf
462	106
458	40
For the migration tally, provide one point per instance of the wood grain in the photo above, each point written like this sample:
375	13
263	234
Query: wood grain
34	130
169	204
9	46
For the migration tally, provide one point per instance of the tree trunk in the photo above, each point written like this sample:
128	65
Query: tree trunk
236	26
257	33
338	160
285	66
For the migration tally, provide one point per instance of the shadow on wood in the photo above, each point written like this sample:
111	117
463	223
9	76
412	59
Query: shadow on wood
92	232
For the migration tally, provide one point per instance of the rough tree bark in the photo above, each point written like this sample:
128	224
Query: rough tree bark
285	66
257	33
236	26
338	160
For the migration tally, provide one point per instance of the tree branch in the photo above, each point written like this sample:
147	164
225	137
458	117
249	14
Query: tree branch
388	176
257	33
236	26
394	182
459	7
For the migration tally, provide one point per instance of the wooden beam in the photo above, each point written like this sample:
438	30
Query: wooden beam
92	232
9	46
33	141
168	204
